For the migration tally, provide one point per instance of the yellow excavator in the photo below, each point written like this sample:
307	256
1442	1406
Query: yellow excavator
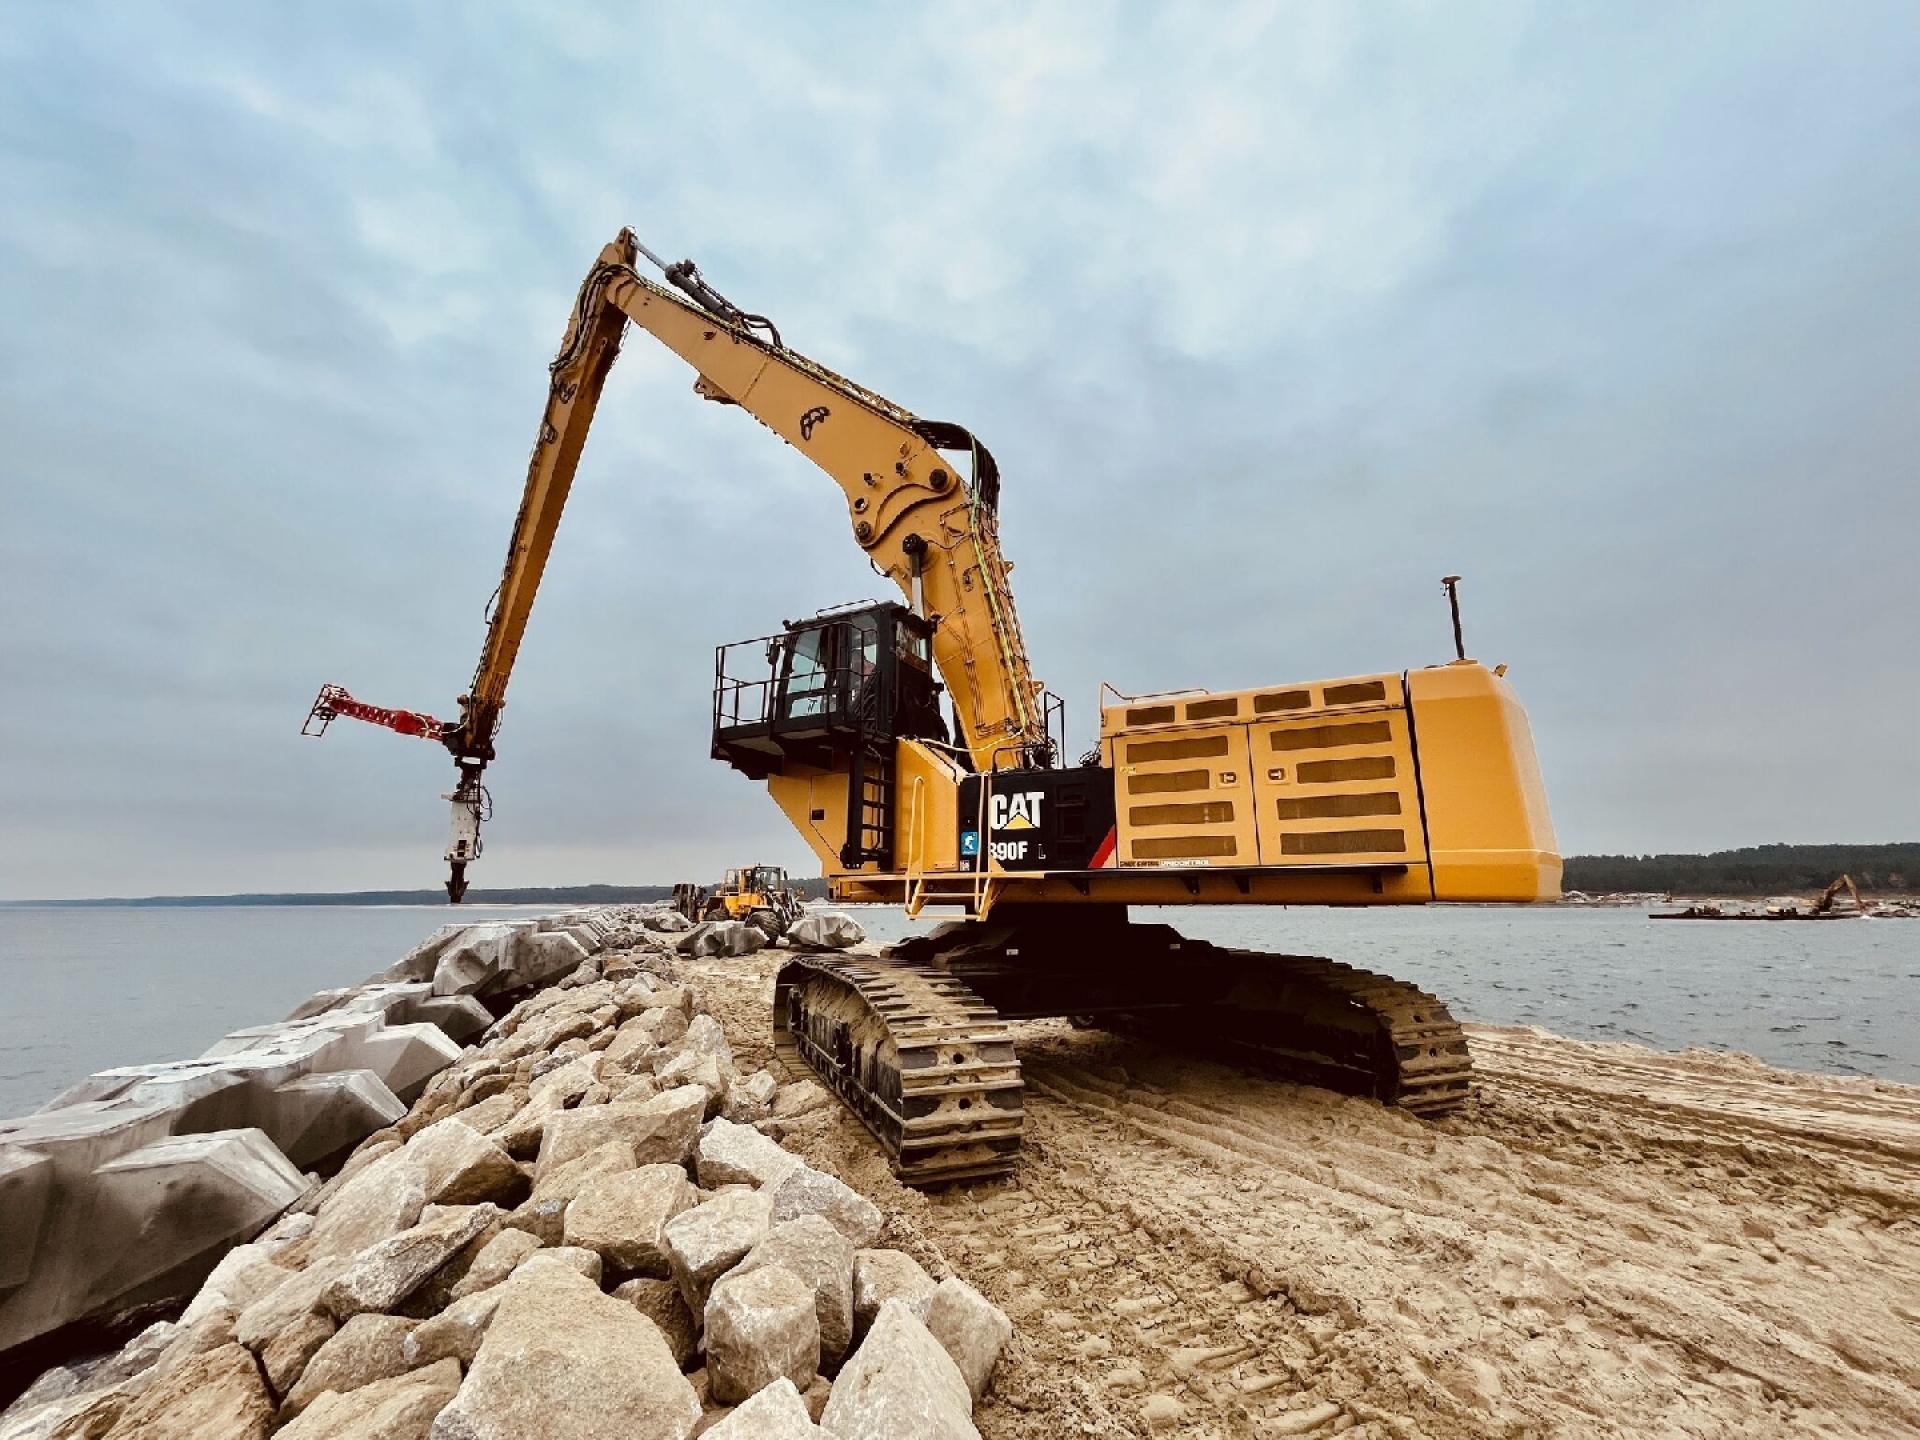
1388	788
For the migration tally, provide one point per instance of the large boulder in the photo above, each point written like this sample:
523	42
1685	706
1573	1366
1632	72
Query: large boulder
299	1294
218	1393
564	1362
661	1131
365	1349
383	1275
495	1261
776	1413
454	1333
806	1191
463	1167
820	1255
284	1358
883	1275
900	1382
705	1242
824	930
970	1328
383	1199
665	922
730	1154
623	1217
401	1407
661	1302
760	1326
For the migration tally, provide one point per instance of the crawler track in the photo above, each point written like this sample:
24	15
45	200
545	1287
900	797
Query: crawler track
1329	1024
926	1065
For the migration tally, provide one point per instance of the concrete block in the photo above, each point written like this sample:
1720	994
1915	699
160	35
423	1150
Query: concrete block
319	1115
26	1180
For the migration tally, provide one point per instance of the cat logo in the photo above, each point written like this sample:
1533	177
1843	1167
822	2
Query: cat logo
1015	812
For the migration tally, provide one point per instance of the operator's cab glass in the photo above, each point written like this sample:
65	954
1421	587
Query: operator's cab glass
824	685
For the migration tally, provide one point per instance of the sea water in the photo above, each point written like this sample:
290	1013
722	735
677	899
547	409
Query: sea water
85	989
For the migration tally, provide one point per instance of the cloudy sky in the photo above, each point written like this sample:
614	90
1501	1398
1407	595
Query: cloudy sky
1273	313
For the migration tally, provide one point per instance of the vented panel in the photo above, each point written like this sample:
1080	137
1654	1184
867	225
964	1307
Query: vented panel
1276	701
1168	782
1206	812
1314	776
1224	709
1150	715
1326	772
1199	747
1328	807
1186	847
1360	692
1344	842
1330	737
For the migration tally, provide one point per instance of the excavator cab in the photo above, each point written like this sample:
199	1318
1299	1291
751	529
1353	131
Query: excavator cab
847	680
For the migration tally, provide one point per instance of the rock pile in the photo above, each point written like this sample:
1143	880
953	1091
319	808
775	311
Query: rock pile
581	1228
127	1188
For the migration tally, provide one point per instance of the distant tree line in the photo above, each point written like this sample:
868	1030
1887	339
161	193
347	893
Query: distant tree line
1756	870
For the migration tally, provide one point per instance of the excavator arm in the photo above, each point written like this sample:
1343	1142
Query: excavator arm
933	534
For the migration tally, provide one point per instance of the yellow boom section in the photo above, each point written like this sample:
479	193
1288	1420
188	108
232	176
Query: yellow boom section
931	533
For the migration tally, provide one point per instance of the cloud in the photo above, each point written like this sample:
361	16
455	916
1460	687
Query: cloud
1271	316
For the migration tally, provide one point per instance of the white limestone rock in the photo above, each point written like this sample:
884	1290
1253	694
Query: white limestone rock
623	1216
705	1242
463	1167
384	1274
812	1249
806	1191
365	1349
730	1154
662	1131
777	1412
883	1275
401	1407
383	1199
899	1383
970	1328
562	1361
760	1326
455	1332
661	1302
217	1393
495	1262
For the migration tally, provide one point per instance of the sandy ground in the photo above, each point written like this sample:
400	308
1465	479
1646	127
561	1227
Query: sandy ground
1609	1241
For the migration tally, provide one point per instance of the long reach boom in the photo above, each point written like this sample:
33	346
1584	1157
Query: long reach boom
934	535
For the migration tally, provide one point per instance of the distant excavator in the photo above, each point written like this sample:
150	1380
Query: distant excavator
1828	896
1388	788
